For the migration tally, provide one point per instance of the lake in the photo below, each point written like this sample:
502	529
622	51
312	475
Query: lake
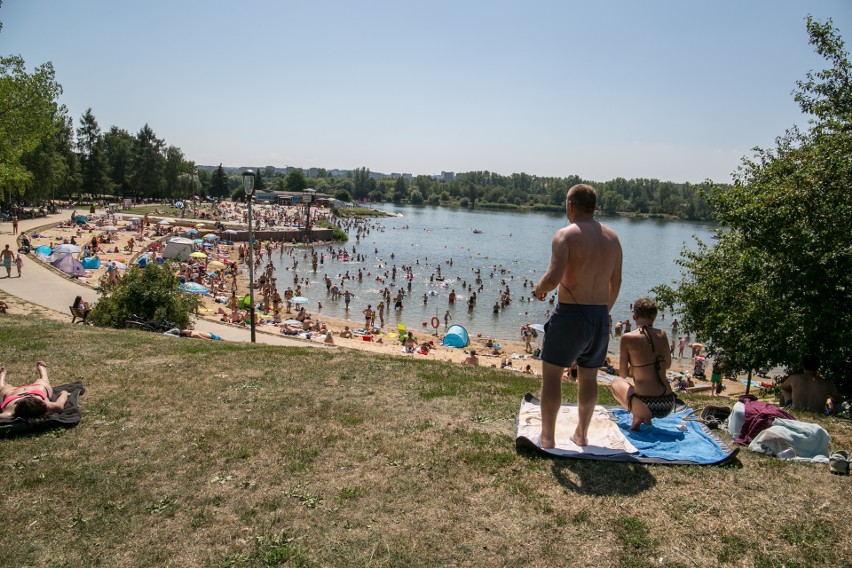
511	247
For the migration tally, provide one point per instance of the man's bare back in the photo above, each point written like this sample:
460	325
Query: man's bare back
585	264
809	391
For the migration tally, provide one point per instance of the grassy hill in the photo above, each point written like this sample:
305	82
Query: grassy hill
194	453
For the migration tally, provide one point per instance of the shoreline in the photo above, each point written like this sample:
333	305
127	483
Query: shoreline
513	350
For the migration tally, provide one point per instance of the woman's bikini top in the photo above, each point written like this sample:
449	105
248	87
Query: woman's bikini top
13	397
643	329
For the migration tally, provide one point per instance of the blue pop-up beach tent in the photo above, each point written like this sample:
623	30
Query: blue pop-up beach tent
456	337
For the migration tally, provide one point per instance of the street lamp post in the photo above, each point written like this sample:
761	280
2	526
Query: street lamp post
307	199
248	185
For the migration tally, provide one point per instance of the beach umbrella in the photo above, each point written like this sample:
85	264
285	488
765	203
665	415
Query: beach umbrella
117	264
198	255
164	223
230	232
291	322
193	288
70	265
215	264
201	226
109	229
67	249
537	326
45	250
197	241
299	300
82	219
191	232
211	237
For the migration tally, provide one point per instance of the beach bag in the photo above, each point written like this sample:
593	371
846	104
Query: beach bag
714	416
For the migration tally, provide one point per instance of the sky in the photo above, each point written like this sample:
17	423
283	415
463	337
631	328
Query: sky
675	90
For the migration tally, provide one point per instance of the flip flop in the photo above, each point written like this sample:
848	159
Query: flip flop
838	462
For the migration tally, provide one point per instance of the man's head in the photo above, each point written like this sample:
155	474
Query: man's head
29	407
810	363
582	198
645	308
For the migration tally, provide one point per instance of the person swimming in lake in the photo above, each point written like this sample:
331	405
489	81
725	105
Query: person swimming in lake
30	401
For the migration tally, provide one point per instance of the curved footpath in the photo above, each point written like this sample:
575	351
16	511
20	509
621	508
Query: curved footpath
40	285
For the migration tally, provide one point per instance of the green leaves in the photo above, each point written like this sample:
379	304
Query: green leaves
776	285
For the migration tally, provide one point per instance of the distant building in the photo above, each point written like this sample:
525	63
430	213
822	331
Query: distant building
312	172
448	176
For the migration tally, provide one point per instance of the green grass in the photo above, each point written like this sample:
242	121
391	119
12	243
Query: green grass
215	455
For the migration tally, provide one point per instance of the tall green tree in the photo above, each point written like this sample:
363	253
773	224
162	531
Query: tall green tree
174	167
219	183
119	150
296	181
778	283
28	116
400	192
47	164
146	179
94	167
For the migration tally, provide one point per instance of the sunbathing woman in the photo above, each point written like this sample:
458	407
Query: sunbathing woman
29	401
645	356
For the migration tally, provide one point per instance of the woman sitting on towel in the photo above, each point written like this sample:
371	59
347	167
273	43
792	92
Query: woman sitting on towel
645	356
29	401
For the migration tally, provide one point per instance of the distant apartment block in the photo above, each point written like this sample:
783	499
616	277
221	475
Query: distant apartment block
448	176
312	172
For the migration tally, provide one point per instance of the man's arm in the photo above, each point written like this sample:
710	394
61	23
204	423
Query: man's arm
558	261
615	277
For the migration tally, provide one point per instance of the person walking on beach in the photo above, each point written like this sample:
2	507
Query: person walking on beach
6	257
585	264
15	225
19	262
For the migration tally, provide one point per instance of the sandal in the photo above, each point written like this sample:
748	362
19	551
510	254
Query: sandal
838	463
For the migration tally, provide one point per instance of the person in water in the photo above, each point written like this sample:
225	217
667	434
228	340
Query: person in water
645	356
29	401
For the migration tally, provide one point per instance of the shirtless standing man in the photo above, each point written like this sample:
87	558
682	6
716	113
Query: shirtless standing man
808	390
586	265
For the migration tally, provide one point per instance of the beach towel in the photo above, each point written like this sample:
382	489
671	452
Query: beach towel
805	439
661	443
69	417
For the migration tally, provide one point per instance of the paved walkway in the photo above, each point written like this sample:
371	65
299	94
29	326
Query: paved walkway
44	287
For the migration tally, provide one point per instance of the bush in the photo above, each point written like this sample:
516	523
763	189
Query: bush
339	234
342	195
150	293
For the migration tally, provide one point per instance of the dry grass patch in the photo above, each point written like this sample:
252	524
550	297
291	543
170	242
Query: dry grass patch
213	454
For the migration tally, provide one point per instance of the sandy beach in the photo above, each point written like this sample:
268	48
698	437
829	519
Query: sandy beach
117	247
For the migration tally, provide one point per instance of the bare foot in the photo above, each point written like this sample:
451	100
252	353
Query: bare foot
579	440
548	443
2	376
42	369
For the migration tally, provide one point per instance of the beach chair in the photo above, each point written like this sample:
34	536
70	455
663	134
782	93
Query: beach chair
403	332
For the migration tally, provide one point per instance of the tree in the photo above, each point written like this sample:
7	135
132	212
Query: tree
258	181
94	167
342	195
148	164
119	150
173	169
296	180
400	192
219	183
150	293
777	284
47	163
28	116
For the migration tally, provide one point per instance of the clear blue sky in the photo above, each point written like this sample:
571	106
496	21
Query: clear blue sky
676	90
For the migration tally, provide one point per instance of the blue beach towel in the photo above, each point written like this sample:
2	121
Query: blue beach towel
662	440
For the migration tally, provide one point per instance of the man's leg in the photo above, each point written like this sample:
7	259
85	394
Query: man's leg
551	400
587	397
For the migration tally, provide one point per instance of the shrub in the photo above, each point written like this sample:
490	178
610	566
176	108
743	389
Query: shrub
150	293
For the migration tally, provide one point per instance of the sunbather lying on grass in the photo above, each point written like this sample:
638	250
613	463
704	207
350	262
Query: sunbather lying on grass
29	401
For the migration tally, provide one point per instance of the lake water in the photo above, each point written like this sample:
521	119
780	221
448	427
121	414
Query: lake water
519	243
